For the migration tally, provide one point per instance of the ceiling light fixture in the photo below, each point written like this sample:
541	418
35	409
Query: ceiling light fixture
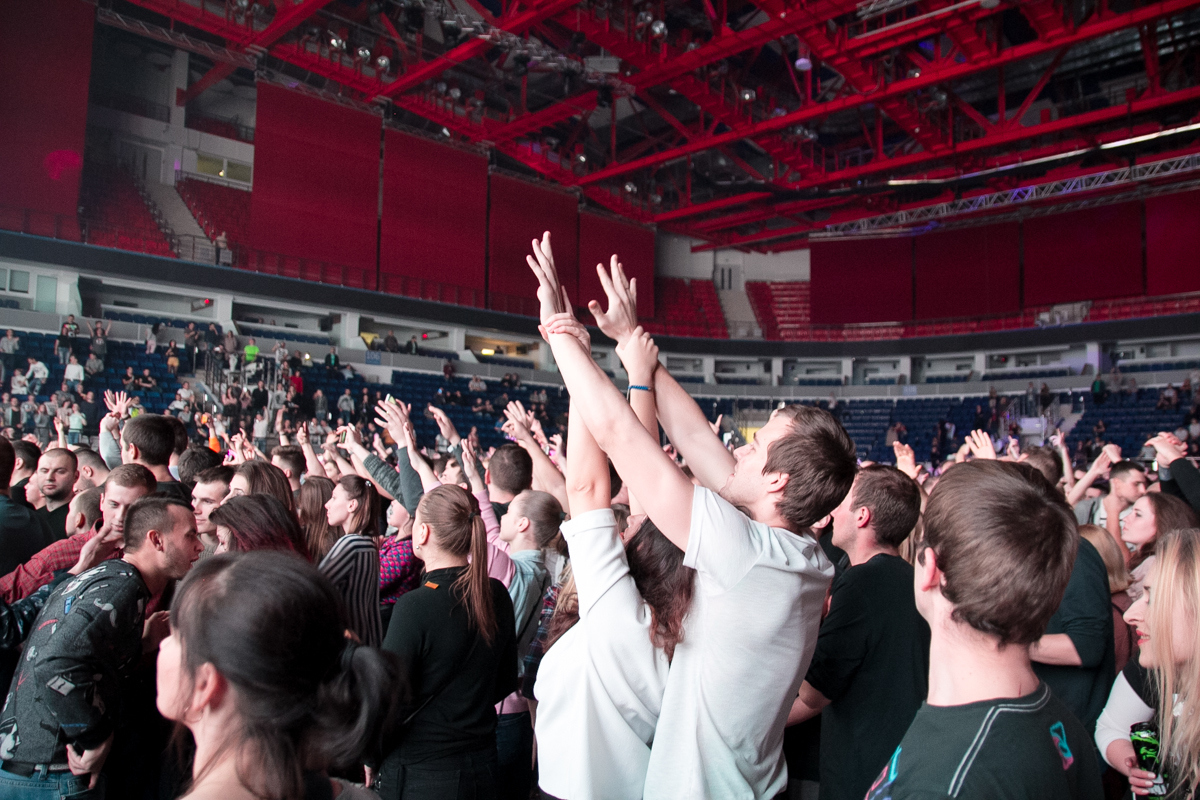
658	28
630	187
364	53
382	63
748	95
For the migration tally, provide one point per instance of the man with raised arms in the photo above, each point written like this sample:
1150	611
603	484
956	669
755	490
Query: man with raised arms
761	578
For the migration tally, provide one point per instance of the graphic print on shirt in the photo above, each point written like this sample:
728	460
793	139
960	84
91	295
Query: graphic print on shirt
883	783
1059	734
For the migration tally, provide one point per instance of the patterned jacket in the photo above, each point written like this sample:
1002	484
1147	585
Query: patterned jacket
75	667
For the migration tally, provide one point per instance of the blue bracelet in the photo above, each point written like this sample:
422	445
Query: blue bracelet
642	388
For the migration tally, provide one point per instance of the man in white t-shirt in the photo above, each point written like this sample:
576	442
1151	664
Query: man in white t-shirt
761	578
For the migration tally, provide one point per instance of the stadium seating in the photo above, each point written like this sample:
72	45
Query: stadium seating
217	208
155	319
116	214
686	308
782	308
1129	420
286	335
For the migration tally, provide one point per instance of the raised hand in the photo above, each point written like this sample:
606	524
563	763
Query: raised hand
981	445
352	436
1113	451
551	293
445	426
393	416
566	324
517	425
302	435
621	318
470	464
906	462
1013	449
1167	448
639	355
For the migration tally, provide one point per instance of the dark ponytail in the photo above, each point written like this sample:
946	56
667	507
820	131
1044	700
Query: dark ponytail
456	524
274	628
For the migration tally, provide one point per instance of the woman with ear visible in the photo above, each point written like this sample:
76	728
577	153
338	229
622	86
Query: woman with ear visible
457	636
352	564
257	666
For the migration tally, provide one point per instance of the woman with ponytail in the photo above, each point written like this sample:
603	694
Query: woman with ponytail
258	668
456	635
352	564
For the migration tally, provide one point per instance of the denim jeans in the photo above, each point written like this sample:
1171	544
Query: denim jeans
74	436
514	755
49	786
469	776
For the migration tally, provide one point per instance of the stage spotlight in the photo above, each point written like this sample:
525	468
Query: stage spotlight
748	95
580	159
440	87
455	93
803	63
658	28
364	53
336	42
382	63
446	132
630	187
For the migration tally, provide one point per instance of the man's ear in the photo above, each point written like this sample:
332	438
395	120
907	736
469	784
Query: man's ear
155	539
928	575
776	481
862	516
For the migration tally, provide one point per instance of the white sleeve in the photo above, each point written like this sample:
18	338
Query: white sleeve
723	543
1123	710
597	556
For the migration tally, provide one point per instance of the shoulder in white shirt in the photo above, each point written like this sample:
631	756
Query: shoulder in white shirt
747	643
600	686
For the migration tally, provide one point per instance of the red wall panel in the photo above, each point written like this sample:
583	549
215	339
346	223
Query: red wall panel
520	212
316	179
968	272
43	106
1173	243
599	238
1084	255
435	205
862	281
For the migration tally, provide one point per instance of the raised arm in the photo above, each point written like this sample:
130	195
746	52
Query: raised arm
312	464
681	418
639	354
546	477
667	494
588	486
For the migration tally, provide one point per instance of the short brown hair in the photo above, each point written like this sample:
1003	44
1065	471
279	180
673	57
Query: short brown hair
292	457
1005	541
153	436
131	476
1046	461
149	514
511	469
87	503
893	498
818	457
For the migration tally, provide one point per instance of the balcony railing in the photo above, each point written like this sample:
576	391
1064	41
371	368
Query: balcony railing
129	103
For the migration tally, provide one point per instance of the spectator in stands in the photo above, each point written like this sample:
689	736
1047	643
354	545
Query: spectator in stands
94	365
28	412
41	424
191	343
230	342
1099	391
1045	397
1168	399
146	381
250	352
129	380
333	364
477	384
59	712
345	406
9	346
413	348
391	343
152	338
89	409
172	356
448	370
38	374
220	245
19	383
980	627
63	343
320	405
279	353
260	397
871	664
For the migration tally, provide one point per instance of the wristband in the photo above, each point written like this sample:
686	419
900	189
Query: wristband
640	388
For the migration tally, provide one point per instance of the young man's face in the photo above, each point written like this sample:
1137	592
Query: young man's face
116	500
206	497
181	545
56	477
1130	486
747	483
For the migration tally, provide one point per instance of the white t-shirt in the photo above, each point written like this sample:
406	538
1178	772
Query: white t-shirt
747	644
73	372
600	685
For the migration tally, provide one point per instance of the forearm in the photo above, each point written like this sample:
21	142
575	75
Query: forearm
688	429
1068	472
110	449
1118	753
1187	478
1055	648
1081	486
361	470
385	478
808	704
429	481
312	464
643	406
500	566
588	486
546	477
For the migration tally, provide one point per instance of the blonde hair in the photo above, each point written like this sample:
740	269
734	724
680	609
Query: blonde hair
1114	561
1176	591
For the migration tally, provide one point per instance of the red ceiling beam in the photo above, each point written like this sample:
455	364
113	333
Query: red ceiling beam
216	74
928	78
995	139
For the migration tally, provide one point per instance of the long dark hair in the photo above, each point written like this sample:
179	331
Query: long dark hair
319	535
260	522
455	523
266	478
308	699
365	519
662	580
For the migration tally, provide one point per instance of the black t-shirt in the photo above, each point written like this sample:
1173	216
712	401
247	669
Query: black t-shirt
1025	748
56	520
872	663
432	634
1085	615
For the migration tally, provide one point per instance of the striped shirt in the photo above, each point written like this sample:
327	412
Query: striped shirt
352	565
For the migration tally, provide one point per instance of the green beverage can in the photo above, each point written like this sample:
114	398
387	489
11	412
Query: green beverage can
1144	736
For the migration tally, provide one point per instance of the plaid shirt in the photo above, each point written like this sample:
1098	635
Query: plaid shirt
399	569
537	648
39	570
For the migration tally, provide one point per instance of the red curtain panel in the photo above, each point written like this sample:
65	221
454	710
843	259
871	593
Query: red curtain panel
862	281
434	212
968	272
43	110
519	212
316	180
1173	243
1084	255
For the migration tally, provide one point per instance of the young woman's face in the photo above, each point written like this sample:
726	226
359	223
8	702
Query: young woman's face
172	691
1181	627
337	508
397	515
238	486
1138	528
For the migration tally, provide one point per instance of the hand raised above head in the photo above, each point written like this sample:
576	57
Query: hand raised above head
551	293
621	318
566	324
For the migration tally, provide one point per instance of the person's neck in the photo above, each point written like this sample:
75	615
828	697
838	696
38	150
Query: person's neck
55	505
764	511
161	472
436	559
522	543
499	495
215	765
864	547
17	477
966	666
143	560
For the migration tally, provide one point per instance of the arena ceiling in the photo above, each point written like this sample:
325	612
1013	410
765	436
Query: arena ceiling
749	123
